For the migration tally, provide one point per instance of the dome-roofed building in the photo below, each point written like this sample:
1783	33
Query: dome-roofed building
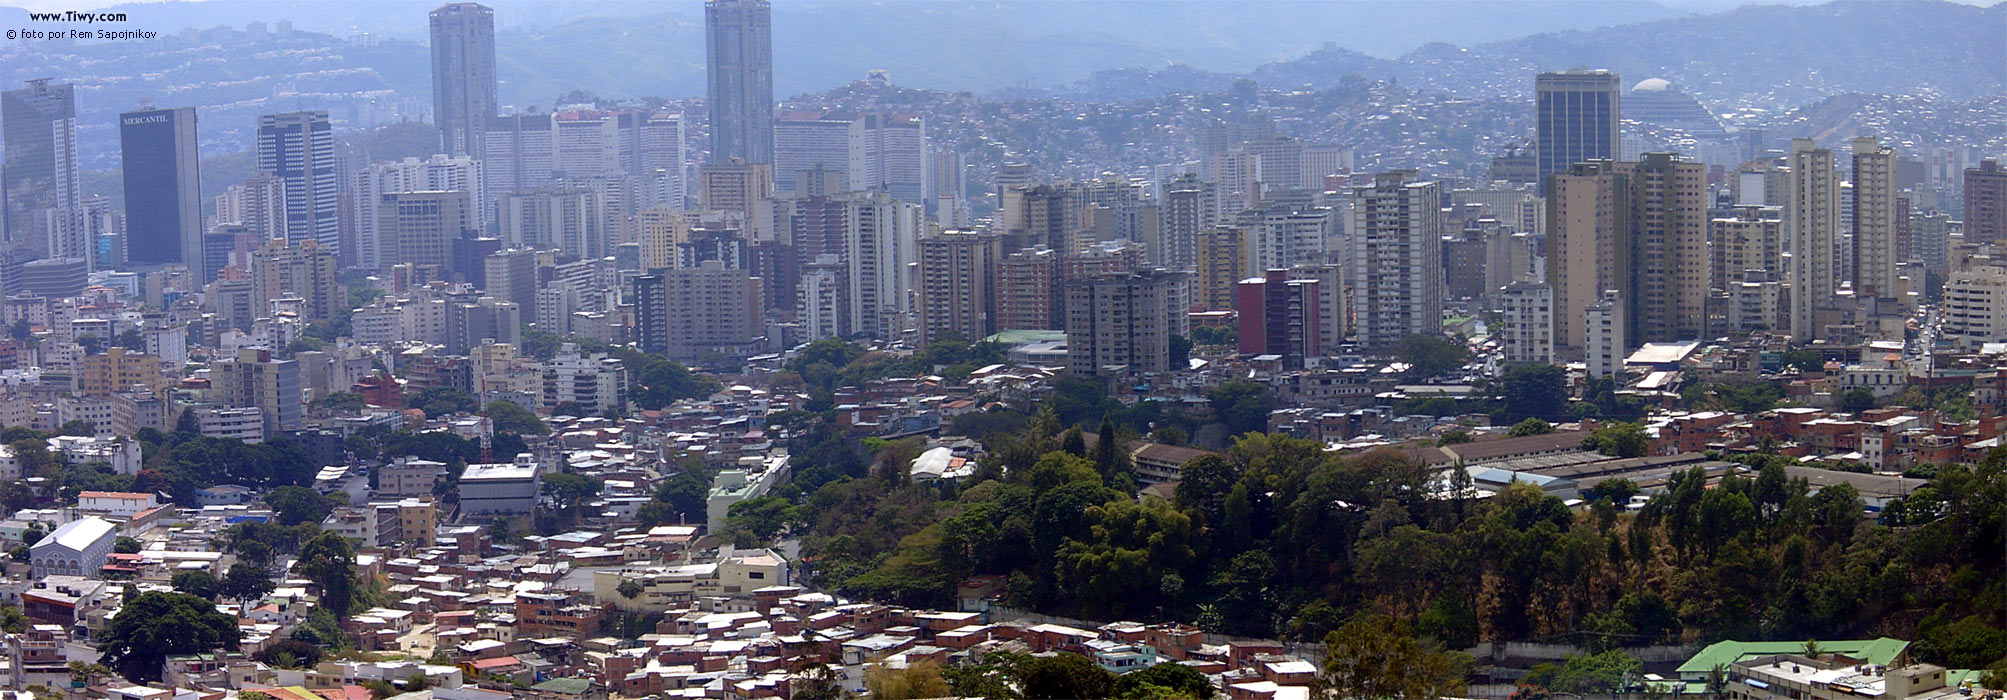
1657	101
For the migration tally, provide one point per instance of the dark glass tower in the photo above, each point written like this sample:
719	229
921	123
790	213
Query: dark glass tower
1577	113
463	75
738	45
163	199
298	149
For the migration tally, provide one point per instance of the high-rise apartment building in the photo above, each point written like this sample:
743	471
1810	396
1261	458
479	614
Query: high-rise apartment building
1396	258
520	154
163	197
1279	315
570	220
297	148
1876	244
880	240
820	309
1188	208
699	310
1027	281
1751	239
302	270
1222	263
38	183
1812	224
1527	332
738	48
1985	203
254	379
956	280
463	75
1285	234
869	150
1122	323
1638	229
734	187
1576	117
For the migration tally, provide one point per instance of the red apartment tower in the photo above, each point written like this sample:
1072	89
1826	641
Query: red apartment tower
1278	316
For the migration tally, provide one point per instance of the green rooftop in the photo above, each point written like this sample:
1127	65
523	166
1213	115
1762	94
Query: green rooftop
567	686
1880	651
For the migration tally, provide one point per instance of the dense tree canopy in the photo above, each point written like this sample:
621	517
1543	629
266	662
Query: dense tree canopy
155	625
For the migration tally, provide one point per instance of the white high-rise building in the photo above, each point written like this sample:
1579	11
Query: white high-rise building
1812	222
873	151
881	239
1874	219
1528	332
1396	258
520	154
1605	335
440	173
821	299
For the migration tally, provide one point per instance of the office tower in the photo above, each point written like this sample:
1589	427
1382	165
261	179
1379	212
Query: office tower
54	278
1323	160
1027	281
253	379
1284	234
1975	304
651	313
658	231
1812	223
897	156
1122	323
1279	315
738	48
1222	263
1527	332
297	148
161	164
778	265
1985	203
955	295
1638	229
1188	208
463	75
39	179
521	154
418	228
1463	263
439	173
1278	162
948	181
734	187
303	270
572	221
1875	244
586	143
1396	258
1576	114
820	309
651	151
868	150
1751	239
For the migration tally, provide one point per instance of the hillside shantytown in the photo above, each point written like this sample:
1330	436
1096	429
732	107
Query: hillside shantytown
1600	364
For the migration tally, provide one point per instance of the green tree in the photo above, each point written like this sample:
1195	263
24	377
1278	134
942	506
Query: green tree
920	679
1530	426
1242	404
80	428
1612	671
629	588
1430	356
1857	399
1376	657
1064	675
329	562
155	625
196	583
570	490
1165	680
1619	440
438	401
341	402
126	545
245	582
764	518
508	417
1535	391
295	505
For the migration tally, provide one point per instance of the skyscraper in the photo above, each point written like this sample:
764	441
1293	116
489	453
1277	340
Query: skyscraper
739	53
163	197
956	280
1123	322
40	175
298	149
1576	114
1875	235
1812	223
1985	203
463	75
419	227
1279	316
1397	269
